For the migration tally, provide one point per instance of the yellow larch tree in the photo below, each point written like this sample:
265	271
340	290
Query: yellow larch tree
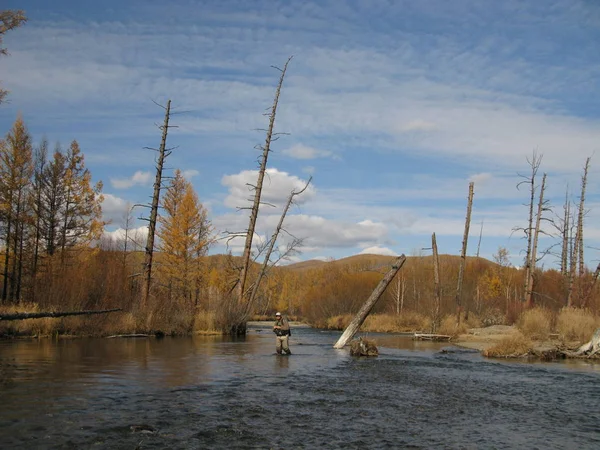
184	232
15	173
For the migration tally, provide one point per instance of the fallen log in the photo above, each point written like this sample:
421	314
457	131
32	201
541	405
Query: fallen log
133	335
39	315
368	306
431	337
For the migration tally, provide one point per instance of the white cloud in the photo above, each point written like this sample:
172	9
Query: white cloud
113	207
137	236
300	151
190	173
377	250
277	187
481	178
138	178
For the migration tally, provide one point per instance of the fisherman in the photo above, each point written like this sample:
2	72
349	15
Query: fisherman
283	332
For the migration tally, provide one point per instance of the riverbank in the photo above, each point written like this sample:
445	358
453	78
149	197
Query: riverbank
508	342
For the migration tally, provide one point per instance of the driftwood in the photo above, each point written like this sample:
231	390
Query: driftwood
431	337
363	347
134	335
591	348
38	315
366	308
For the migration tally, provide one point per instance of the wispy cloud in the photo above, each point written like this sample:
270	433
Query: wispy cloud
138	178
300	151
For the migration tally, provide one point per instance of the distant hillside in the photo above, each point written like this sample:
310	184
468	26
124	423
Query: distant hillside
380	260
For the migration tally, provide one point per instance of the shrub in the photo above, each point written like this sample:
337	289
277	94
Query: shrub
338	322
535	323
448	325
205	323
493	316
412	321
576	324
511	346
380	323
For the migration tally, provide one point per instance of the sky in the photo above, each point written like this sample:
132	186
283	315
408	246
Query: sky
392	107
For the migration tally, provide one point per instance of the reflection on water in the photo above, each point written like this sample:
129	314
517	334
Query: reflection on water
219	392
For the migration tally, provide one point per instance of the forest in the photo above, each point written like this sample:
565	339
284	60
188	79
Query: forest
54	257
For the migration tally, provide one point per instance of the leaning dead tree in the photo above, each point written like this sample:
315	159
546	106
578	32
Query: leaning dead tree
366	308
163	152
266	263
38	315
463	255
240	327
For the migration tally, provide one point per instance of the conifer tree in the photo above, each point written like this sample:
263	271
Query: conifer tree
184	233
15	173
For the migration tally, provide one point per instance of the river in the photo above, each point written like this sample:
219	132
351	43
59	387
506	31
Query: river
220	392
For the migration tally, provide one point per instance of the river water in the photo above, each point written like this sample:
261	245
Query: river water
216	392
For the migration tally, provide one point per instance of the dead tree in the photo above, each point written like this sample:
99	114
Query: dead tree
399	292
366	308
266	148
479	241
564	233
436	284
534	247
534	163
580	216
463	255
270	248
38	315
163	152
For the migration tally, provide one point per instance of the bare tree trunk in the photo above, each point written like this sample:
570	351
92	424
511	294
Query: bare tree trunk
272	242
564	254
258	191
366	308
463	255
581	214
572	267
534	163
6	259
479	242
538	220
436	284
162	154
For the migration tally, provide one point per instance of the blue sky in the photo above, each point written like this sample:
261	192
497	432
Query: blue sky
392	107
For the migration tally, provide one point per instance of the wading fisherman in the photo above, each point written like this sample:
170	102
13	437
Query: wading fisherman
282	330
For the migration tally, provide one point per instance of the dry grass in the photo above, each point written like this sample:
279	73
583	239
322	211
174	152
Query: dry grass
449	327
383	323
576	325
380	323
513	346
338	322
205	323
535	323
412	321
